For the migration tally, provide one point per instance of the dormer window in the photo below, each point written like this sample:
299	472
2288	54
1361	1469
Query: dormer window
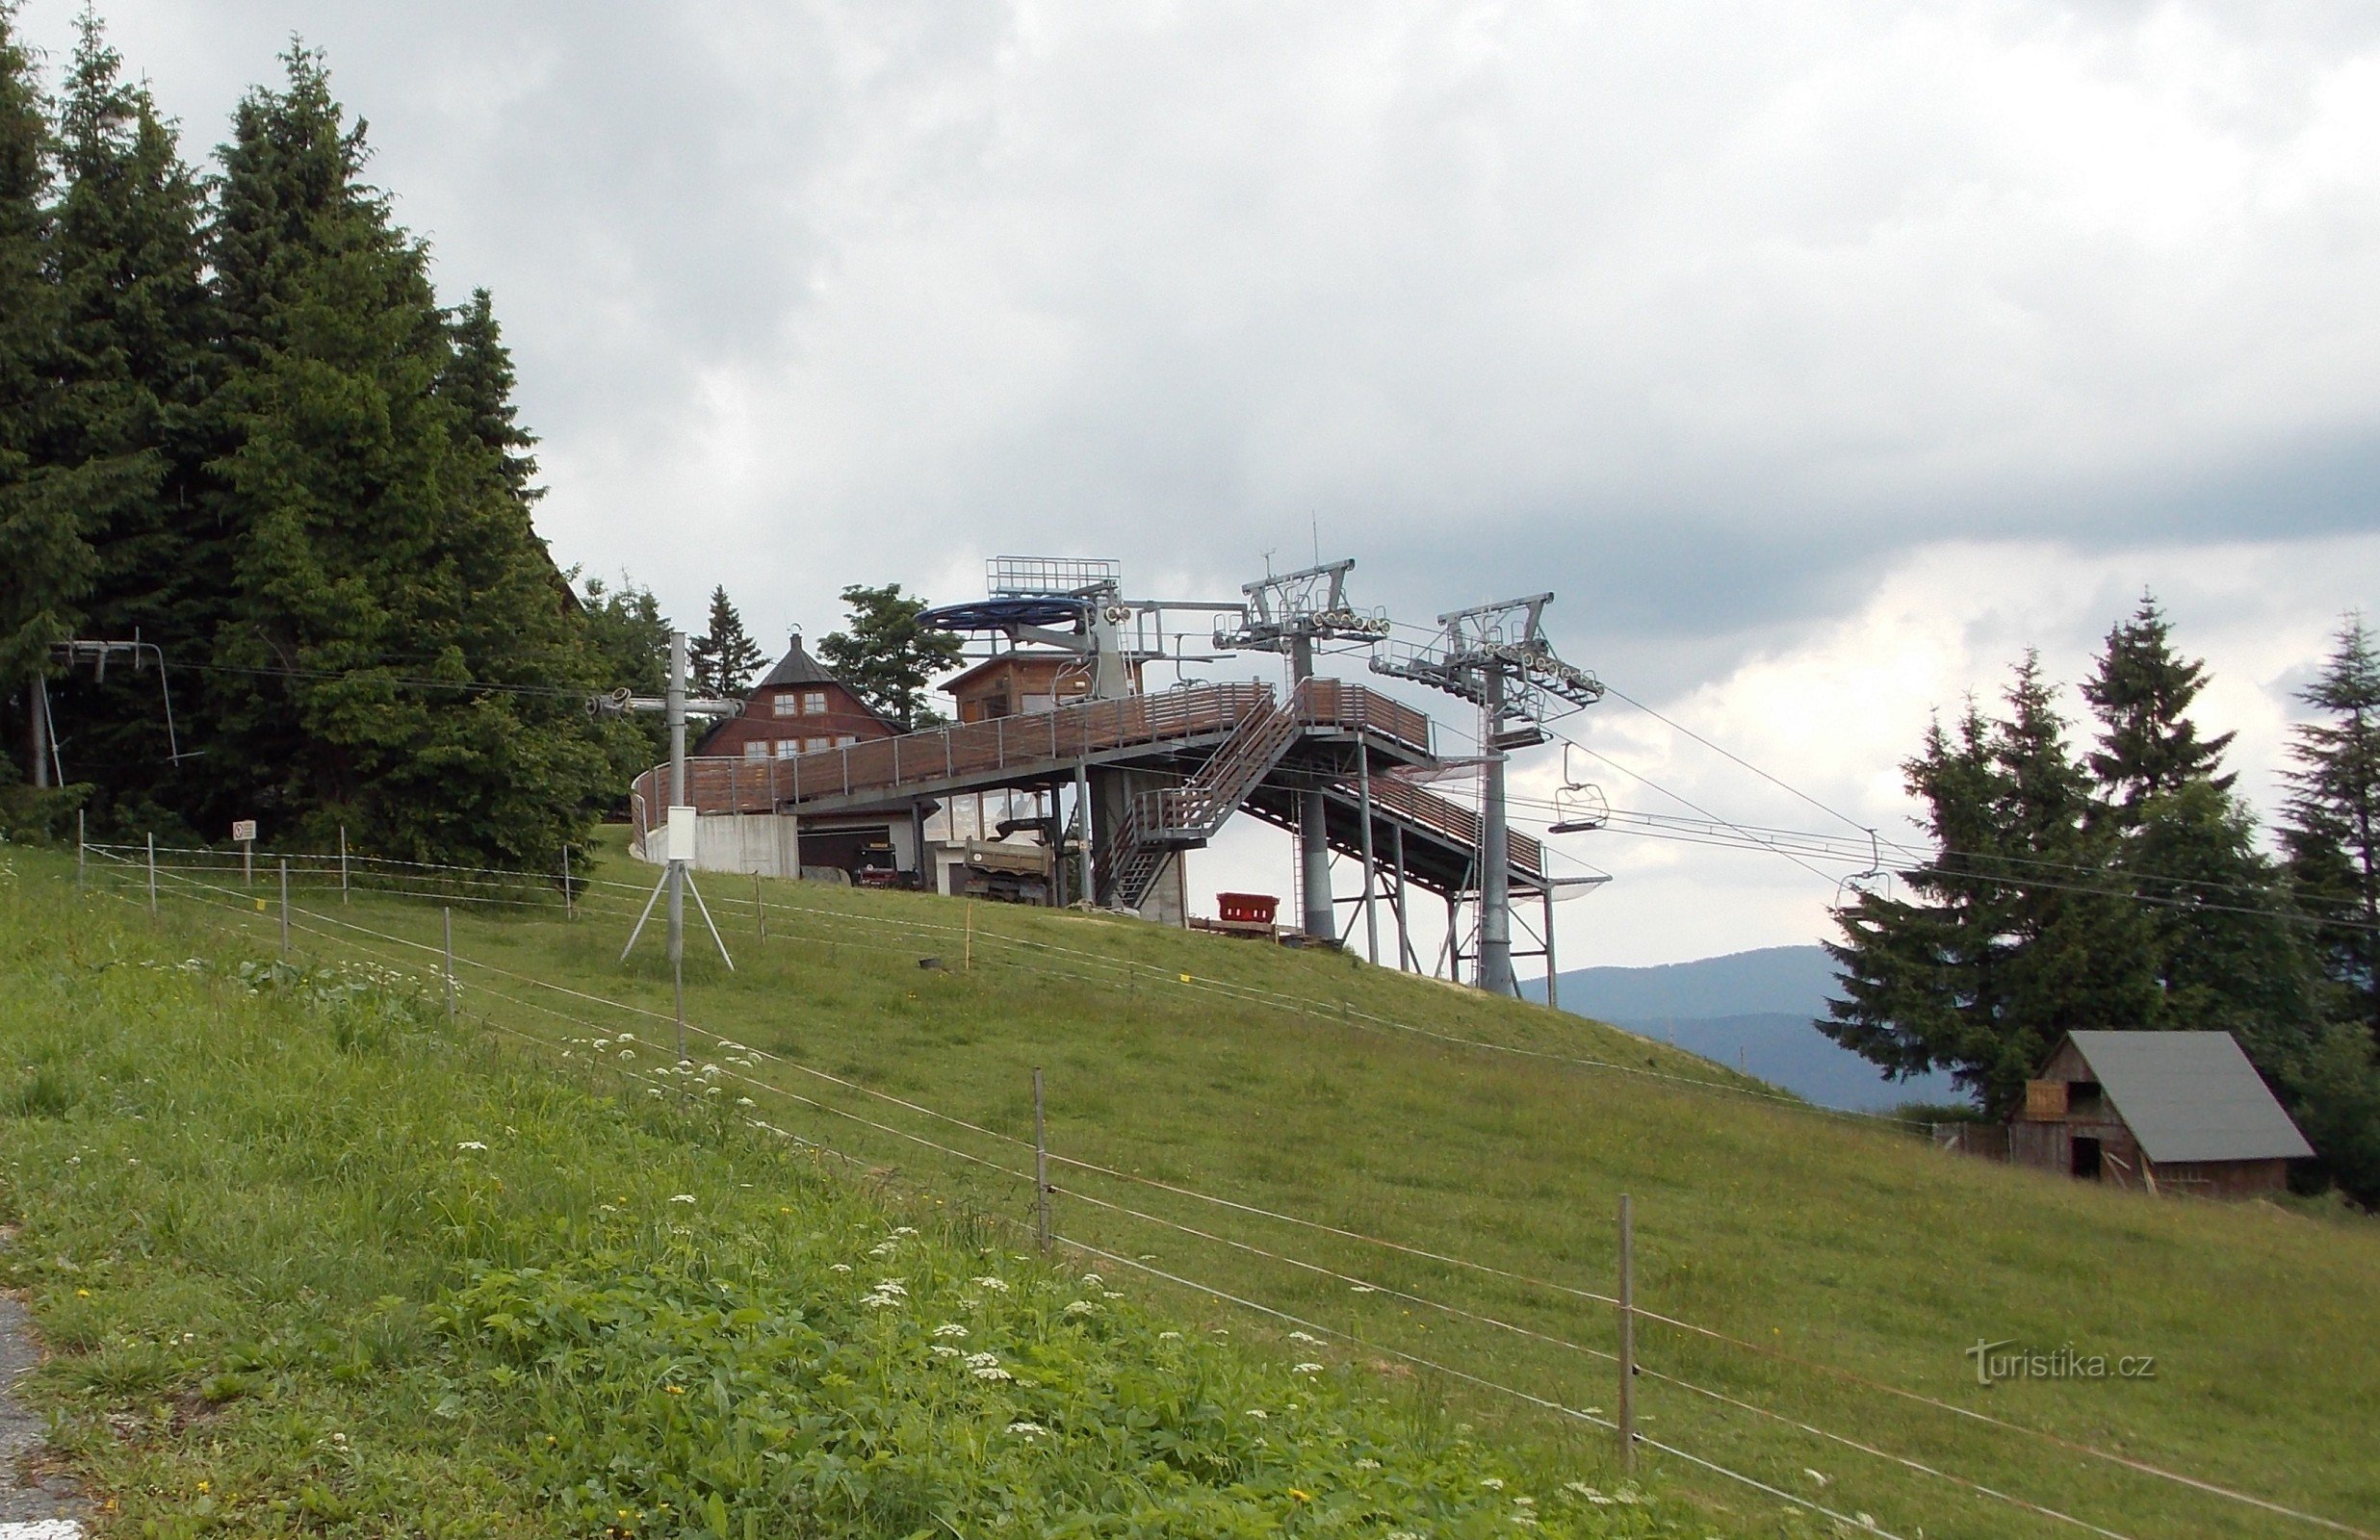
786	703
813	702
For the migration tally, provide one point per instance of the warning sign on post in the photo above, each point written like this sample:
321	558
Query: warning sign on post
244	830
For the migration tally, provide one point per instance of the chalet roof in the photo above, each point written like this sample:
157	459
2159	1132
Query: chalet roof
797	667
2189	1095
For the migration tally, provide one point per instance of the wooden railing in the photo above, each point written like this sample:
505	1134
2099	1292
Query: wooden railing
982	751
1451	820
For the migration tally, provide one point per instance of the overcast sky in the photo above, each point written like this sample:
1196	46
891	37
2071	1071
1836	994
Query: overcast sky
1819	358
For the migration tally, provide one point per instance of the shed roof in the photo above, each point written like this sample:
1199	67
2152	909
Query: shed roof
2189	1095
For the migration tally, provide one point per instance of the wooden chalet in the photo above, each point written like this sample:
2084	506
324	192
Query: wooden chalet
2161	1111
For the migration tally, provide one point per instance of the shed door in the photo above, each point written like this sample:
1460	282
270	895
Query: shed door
2086	1158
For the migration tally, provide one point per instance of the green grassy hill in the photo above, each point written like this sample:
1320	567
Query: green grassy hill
1837	1270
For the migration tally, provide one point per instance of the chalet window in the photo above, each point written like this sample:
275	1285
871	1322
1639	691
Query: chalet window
757	748
813	702
846	740
785	703
2083	1100
816	745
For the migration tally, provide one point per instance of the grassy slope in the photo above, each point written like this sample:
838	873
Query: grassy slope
315	1261
1849	1246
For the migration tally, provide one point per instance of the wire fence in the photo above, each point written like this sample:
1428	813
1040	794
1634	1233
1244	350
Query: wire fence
206	885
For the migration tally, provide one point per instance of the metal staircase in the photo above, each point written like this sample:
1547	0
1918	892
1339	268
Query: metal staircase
1159	823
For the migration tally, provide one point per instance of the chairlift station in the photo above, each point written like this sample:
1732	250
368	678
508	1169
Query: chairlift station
1120	780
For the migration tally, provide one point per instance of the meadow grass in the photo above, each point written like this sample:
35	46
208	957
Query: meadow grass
312	1260
1312	1085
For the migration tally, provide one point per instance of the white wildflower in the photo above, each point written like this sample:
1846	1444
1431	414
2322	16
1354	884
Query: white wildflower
882	1248
1524	1502
1169	1335
1305	1369
983	1360
1306	1336
950	1328
903	1229
1259	1414
1091	1280
945	1350
471	1143
1027	1429
1493	1483
743	1101
1367	1463
628	1037
896	1287
1080	1307
682	1198
1816	1476
1112	1294
878	1302
1867	1521
1361	1288
993	1371
996	1285
839	1266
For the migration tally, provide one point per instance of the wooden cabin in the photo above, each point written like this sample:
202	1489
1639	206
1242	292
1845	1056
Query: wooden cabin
1023	683
2162	1110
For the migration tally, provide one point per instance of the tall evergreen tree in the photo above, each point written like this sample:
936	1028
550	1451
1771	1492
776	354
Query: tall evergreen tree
2228	947
724	659
49	562
2141	692
2331	822
478	379
398	654
886	656
136	368
2007	943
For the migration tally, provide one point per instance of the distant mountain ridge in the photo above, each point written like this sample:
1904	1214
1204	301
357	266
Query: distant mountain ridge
1753	1011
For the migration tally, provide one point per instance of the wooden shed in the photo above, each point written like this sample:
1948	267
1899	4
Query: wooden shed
2173	1111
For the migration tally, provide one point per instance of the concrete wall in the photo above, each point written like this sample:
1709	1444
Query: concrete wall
762	843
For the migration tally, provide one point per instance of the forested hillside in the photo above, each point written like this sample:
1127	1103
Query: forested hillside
241	428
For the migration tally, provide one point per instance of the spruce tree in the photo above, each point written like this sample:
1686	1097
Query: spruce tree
398	654
135	371
49	562
2009	940
2141	692
478	379
724	659
2228	947
2331	822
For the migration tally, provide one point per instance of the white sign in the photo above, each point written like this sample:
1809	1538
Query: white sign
244	830
681	834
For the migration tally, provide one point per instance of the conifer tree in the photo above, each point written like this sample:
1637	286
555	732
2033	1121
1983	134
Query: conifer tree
724	659
48	561
2330	823
2007	943
478	379
397	653
135	371
2141	692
